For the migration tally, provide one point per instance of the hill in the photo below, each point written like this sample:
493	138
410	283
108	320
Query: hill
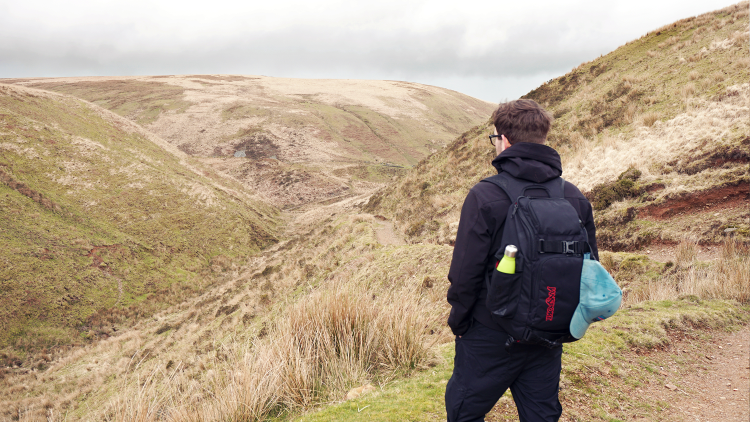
104	222
293	141
656	133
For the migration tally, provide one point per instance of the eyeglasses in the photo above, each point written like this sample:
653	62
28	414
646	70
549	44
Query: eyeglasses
492	139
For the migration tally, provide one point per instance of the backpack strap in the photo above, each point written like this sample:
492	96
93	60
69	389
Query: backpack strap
509	185
515	188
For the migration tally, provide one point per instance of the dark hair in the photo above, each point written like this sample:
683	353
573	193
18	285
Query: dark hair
522	121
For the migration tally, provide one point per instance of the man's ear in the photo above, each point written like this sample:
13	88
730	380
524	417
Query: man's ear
506	143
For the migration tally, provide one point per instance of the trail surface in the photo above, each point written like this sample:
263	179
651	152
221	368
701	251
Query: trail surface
386	235
717	388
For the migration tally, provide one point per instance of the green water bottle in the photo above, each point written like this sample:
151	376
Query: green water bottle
507	265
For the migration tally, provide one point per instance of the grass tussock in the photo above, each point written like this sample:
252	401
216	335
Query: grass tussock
609	375
360	314
283	336
319	347
323	345
727	278
648	119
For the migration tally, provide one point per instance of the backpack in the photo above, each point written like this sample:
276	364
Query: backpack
535	305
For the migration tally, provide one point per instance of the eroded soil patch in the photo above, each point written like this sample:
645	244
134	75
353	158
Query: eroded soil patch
714	199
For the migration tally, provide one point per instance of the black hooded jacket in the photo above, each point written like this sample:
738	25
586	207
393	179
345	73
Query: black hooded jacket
481	227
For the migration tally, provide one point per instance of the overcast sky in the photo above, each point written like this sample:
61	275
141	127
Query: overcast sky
493	50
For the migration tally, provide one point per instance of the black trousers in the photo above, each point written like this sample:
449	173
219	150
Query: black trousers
483	370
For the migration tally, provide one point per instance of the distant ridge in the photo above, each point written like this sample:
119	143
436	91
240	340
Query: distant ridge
293	141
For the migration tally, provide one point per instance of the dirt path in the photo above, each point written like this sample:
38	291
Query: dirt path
714	389
386	235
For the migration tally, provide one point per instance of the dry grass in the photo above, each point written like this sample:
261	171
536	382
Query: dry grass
662	143
727	278
648	119
323	345
104	226
626	109
687	91
282	336
293	131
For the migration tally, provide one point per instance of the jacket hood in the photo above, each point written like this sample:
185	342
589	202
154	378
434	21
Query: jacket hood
533	162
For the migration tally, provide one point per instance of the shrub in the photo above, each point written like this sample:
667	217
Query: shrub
605	194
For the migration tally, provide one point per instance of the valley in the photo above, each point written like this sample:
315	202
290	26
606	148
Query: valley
225	247
290	141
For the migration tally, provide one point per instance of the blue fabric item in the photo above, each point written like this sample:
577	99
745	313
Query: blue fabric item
600	297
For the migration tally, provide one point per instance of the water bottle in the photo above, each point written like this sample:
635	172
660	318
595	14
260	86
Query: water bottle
507	265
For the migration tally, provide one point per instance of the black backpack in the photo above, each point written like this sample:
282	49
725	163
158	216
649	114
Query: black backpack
536	303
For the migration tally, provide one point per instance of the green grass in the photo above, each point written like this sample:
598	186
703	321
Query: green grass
166	247
420	397
100	223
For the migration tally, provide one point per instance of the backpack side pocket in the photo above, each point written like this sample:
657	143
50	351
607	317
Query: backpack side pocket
502	293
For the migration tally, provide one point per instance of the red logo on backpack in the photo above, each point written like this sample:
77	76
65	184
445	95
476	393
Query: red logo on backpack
550	302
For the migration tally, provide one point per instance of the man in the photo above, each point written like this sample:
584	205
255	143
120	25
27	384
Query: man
483	368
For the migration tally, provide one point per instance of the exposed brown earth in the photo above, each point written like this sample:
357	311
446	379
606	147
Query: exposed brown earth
714	199
96	259
319	148
26	191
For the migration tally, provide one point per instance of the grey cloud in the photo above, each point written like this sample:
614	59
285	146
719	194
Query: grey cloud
302	51
533	50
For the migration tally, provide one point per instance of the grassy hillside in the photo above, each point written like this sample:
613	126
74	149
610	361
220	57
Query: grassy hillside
671	106
297	137
300	324
100	223
284	336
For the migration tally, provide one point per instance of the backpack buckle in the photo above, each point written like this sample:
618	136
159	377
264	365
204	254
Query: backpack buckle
569	246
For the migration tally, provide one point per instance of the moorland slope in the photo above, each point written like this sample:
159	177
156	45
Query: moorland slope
99	214
293	141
